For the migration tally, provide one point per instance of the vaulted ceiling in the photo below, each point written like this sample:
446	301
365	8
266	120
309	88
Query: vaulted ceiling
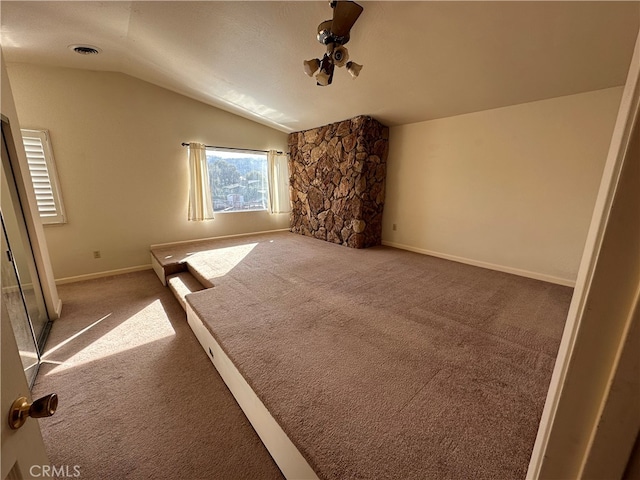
422	60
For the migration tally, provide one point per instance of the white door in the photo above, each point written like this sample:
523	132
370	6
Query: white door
23	453
22	449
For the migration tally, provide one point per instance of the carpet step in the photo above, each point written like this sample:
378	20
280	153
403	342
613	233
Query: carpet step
182	284
193	270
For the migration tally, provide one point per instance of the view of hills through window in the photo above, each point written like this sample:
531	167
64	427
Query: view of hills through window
238	180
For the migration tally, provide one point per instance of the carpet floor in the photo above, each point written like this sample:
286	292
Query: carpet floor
139	398
382	363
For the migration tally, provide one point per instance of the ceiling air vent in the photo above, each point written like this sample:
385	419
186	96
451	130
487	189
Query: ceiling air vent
85	49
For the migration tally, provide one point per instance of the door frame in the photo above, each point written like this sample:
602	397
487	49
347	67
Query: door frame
567	439
20	167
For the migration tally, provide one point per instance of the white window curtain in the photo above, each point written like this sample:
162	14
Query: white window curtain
200	206
279	201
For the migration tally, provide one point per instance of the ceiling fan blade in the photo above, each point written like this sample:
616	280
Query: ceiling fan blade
345	14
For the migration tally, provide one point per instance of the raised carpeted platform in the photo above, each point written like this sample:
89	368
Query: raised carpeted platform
138	400
382	363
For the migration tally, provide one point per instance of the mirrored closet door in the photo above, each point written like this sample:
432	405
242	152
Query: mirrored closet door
21	289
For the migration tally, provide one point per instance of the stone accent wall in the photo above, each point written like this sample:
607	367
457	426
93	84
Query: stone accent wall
337	181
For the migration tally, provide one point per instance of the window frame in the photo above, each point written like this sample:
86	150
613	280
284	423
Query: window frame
48	161
238	151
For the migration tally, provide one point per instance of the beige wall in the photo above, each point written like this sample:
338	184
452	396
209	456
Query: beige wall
41	254
511	188
122	170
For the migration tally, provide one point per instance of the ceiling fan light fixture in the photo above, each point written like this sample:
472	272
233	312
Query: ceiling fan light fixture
334	34
311	66
323	78
340	56
354	69
325	75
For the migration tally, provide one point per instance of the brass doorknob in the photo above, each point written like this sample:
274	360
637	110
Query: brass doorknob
22	409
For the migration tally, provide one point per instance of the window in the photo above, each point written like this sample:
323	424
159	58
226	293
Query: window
43	176
238	180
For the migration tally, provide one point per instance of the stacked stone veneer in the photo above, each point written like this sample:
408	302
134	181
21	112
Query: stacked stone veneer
337	181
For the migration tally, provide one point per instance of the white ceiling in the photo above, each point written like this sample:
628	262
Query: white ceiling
422	60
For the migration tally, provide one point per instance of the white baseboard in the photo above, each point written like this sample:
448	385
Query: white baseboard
108	273
491	266
183	242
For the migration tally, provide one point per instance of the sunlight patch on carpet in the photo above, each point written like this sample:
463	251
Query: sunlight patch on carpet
220	261
73	337
146	326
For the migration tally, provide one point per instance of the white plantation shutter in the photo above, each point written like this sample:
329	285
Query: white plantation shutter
43	175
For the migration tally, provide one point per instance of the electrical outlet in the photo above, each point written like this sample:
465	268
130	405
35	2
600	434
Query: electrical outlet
97	254
394	227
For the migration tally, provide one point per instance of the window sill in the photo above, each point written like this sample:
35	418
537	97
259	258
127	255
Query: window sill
239	211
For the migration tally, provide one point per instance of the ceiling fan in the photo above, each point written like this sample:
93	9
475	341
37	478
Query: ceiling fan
334	34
